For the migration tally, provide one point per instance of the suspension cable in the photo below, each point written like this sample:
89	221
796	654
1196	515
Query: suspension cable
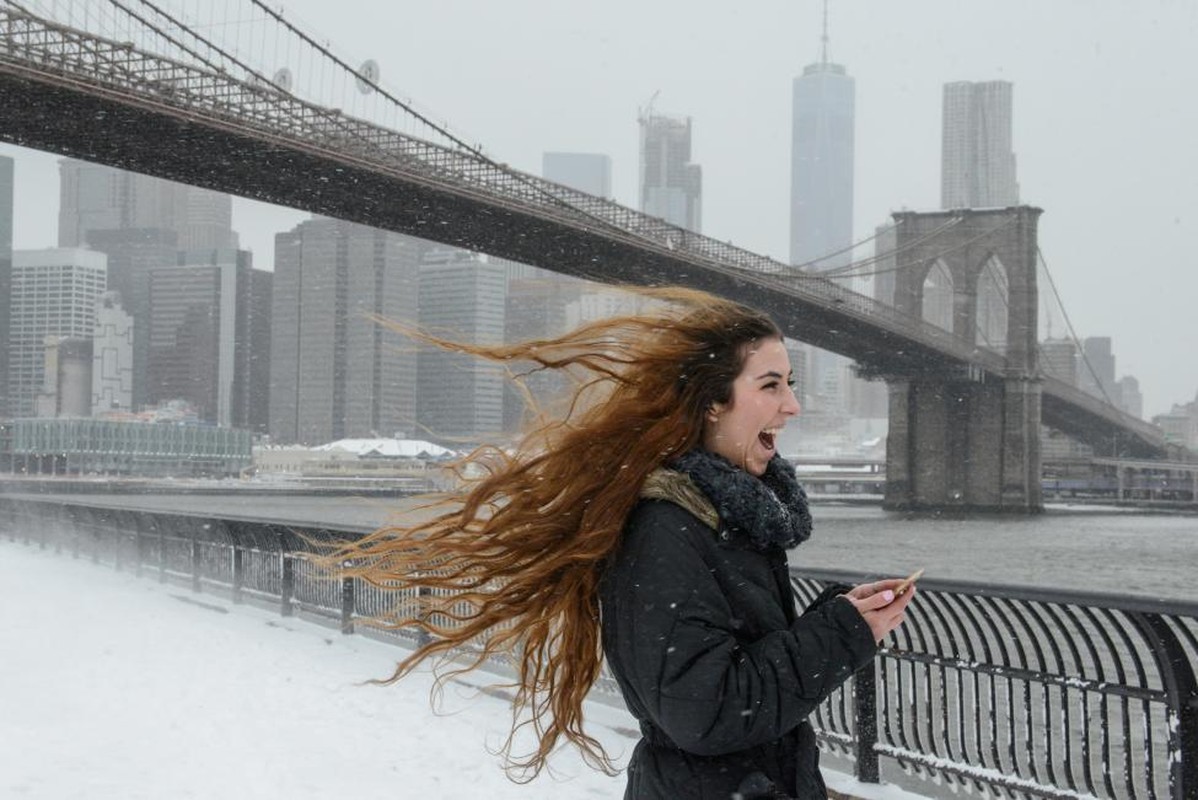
1069	324
476	152
847	271
828	272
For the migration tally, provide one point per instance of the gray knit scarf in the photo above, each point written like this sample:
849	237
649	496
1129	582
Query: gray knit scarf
770	511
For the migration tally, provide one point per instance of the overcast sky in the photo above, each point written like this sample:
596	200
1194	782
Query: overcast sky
1105	122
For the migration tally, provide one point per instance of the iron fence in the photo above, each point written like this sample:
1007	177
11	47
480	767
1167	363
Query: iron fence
999	690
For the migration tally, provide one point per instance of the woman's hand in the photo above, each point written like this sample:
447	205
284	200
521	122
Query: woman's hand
882	609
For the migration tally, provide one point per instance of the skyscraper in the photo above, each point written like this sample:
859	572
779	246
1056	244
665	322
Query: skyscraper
6	189
200	335
977	168
1058	359
463	297
535	309
334	371
256	414
96	197
54	293
131	254
823	108
586	172
112	356
1131	399
821	165
671	186
1096	374
140	223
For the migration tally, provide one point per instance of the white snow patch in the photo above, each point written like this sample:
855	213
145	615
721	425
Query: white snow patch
114	687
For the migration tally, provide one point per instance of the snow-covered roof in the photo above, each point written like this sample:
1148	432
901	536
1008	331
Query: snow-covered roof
388	448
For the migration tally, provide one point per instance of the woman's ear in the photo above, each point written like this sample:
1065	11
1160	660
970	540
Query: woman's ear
713	412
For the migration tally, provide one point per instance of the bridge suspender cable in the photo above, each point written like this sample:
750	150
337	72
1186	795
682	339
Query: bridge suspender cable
1069	324
909	264
848	249
849	270
474	151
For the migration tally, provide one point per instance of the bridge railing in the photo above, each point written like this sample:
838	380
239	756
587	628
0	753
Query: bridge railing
1101	408
995	689
31	43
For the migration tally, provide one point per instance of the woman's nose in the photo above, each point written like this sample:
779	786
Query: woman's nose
790	405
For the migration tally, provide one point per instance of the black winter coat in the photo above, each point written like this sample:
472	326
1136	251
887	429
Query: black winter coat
701	633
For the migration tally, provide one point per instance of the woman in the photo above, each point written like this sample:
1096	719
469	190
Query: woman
654	514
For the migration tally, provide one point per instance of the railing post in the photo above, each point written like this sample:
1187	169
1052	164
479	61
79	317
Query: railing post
195	560
95	531
139	544
75	536
423	637
114	520
161	551
347	605
865	721
238	572
286	585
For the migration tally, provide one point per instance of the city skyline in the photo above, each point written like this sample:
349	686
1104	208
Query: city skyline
1072	154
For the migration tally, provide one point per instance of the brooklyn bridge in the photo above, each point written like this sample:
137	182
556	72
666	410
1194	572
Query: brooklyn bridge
148	93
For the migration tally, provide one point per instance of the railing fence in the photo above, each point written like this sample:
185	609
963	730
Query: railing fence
996	690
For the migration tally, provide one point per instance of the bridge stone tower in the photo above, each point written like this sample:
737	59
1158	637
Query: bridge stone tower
968	439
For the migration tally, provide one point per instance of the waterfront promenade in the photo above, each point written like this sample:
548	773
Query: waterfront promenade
1088	549
122	688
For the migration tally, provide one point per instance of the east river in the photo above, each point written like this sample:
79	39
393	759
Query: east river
1083	548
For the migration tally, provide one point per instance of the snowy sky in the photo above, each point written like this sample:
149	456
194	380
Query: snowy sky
114	687
1104	122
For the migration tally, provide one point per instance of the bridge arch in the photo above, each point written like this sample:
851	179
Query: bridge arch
991	303
962	439
936	295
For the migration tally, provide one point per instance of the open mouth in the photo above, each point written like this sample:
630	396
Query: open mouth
767	437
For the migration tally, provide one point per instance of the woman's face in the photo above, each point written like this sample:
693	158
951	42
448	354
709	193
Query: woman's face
744	430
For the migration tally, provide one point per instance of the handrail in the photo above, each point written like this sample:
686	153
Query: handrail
986	686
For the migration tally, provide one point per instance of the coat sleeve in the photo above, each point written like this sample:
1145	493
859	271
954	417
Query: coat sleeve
674	633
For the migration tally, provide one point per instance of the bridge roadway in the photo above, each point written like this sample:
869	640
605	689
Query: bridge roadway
1083	549
77	94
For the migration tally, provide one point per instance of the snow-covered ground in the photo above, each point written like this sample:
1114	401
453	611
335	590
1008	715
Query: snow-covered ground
118	688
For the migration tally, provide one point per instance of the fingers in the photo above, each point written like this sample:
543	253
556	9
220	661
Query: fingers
869	589
883	611
875	601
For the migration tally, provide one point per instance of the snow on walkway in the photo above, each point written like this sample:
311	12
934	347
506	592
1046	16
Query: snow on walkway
114	687
117	688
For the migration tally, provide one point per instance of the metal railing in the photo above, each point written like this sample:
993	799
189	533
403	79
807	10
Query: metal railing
1009	692
1036	693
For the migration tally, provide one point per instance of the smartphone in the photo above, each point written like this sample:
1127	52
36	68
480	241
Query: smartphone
906	584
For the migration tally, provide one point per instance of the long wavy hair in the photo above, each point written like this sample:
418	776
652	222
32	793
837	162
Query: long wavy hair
510	563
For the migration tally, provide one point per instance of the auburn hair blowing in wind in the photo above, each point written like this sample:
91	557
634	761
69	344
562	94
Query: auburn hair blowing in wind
511	563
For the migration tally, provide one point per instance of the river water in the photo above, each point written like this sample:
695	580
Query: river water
1077	548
